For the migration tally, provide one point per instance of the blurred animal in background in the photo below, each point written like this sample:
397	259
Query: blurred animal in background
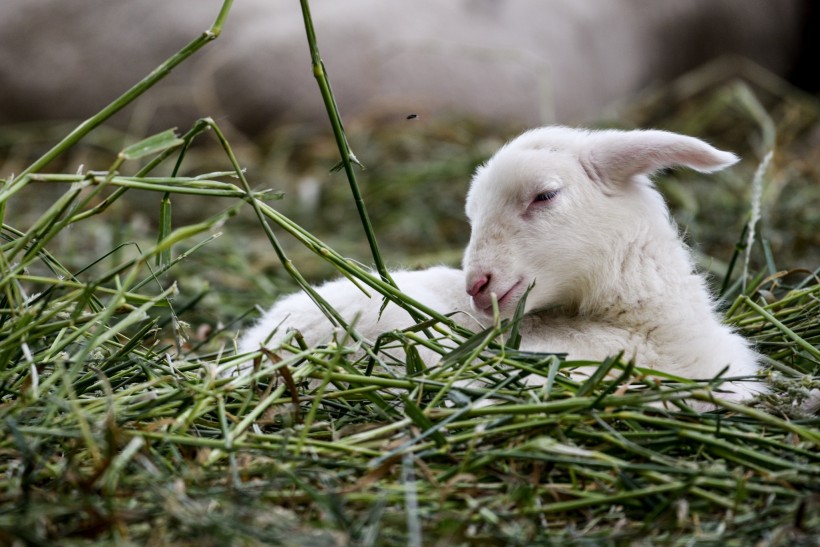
524	61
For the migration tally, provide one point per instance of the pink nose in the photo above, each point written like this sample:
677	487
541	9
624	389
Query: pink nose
480	284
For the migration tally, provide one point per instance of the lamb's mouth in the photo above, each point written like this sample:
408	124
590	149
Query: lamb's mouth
504	299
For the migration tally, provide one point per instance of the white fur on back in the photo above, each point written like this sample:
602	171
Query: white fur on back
439	288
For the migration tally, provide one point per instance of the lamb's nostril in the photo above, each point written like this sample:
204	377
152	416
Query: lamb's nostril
480	284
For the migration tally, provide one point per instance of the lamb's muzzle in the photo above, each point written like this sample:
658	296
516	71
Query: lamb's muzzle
484	292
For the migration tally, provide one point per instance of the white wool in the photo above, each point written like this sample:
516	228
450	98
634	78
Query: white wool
439	288
574	213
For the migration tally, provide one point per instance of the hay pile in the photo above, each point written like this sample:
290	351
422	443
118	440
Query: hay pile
118	426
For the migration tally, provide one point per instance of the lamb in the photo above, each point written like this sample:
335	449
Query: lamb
573	213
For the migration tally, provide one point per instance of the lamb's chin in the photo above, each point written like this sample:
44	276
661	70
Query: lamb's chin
504	312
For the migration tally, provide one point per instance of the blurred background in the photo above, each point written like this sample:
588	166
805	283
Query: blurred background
427	91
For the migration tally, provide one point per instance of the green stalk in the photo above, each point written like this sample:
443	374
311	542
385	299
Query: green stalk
813	351
274	241
129	96
347	156
198	128
323	305
596	499
348	268
807	433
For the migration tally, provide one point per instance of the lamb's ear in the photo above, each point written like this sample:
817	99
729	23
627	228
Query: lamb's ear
620	155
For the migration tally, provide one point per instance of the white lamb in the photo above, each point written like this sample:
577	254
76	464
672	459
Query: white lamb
573	212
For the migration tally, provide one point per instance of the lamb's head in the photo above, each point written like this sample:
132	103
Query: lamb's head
558	206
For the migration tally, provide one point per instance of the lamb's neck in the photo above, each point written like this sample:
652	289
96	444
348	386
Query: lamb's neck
652	274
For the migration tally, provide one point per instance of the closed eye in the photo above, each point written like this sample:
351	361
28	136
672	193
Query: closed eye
546	196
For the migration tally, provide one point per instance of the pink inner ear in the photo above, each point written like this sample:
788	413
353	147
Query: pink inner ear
623	154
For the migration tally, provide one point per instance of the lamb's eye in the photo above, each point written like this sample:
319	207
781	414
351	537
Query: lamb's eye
546	196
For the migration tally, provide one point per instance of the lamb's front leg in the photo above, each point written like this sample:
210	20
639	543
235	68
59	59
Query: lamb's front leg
592	341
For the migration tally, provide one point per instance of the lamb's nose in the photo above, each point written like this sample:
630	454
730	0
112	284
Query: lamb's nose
480	284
